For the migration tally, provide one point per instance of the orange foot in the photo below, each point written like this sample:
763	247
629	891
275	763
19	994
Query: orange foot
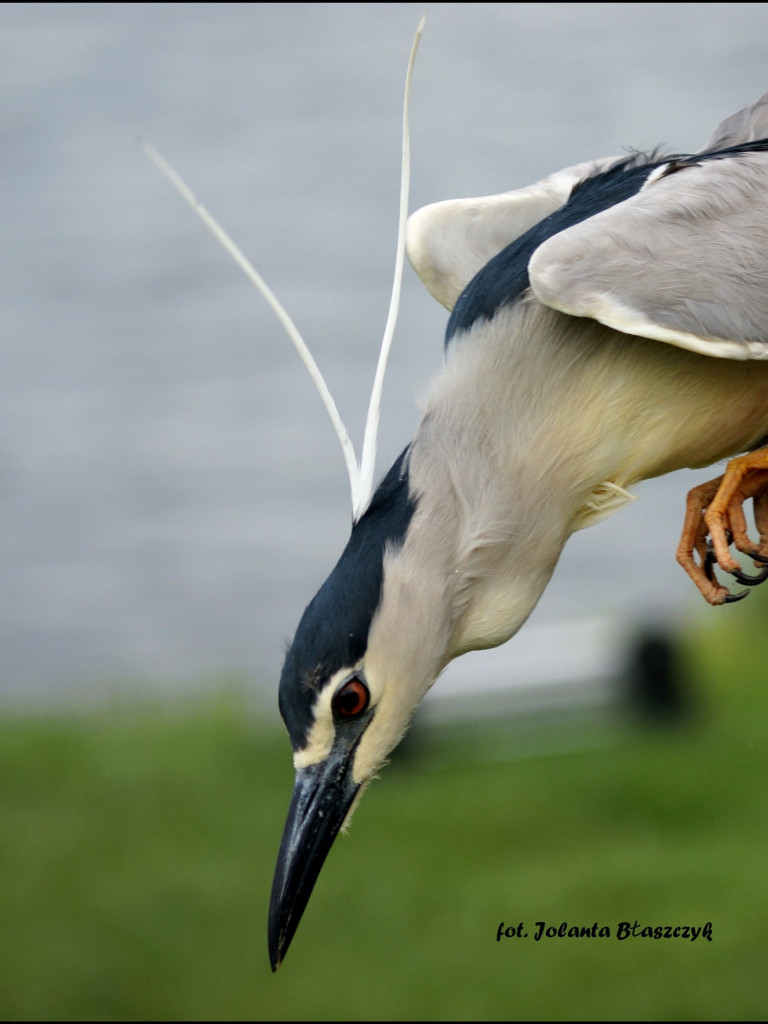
714	519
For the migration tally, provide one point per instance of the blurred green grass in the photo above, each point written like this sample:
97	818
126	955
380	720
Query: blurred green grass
137	845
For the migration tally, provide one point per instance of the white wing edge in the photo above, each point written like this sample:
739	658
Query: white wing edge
611	313
451	241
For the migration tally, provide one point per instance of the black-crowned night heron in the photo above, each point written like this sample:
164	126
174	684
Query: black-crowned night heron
608	324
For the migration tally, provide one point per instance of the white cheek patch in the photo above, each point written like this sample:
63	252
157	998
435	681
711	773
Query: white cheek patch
318	747
323	732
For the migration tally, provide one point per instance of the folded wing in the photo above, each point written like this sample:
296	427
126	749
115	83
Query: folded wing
683	261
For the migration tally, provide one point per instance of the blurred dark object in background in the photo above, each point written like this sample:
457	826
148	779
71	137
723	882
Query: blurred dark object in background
658	685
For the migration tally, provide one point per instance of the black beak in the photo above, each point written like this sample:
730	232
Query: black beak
322	796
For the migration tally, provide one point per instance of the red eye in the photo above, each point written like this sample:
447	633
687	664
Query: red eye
351	699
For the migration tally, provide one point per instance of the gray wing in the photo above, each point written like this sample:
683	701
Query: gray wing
745	125
684	261
449	242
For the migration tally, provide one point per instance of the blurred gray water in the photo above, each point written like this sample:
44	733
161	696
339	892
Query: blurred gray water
171	493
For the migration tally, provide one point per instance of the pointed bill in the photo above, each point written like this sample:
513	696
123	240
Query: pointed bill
322	796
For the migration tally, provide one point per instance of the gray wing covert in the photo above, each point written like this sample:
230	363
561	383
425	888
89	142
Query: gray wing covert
685	261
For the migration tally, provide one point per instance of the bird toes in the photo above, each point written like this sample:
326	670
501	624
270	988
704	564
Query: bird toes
715	522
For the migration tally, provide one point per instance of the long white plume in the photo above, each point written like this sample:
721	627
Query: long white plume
360	475
368	457
253	275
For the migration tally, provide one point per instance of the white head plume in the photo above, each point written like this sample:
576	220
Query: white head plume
361	473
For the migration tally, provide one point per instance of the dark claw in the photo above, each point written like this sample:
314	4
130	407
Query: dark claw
757	557
750	581
709	562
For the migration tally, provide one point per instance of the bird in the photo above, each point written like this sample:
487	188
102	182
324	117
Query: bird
606	325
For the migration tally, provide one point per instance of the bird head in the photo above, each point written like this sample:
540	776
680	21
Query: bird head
347	693
421	580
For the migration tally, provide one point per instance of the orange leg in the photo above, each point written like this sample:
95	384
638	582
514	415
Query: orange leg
714	519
